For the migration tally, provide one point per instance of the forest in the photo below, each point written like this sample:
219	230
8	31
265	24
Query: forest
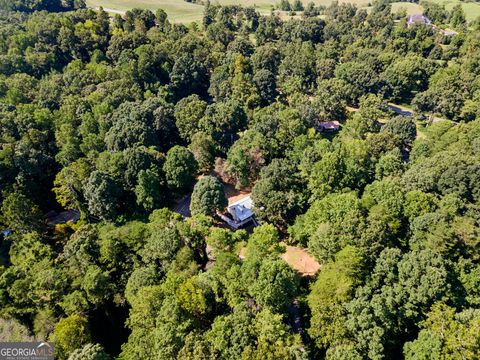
116	118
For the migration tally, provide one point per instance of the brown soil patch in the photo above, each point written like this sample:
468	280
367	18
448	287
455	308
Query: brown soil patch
300	260
241	253
296	257
234	195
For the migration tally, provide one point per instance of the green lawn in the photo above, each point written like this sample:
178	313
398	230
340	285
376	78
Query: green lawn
411	8
259	4
177	10
472	9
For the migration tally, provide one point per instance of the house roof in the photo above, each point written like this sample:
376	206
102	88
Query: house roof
419	19
242	208
54	218
329	125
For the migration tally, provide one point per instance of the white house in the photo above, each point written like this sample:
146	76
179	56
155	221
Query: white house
240	213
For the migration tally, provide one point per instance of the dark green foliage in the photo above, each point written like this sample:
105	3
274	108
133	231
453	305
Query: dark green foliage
278	198
203	149
20	214
297	5
457	17
148	190
403	127
117	118
189	76
70	333
405	77
208	197
331	224
332	289
275	286
102	195
285	5
265	81
402	287
223	121
360	76
150	123
30	6
180	168
188	112
435	12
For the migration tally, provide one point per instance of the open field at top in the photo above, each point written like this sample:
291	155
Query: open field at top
177	10
185	12
472	9
410	8
180	11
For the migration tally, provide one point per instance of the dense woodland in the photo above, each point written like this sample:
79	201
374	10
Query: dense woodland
119	117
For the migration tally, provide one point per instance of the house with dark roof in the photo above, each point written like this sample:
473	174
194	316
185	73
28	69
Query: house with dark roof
328	126
54	218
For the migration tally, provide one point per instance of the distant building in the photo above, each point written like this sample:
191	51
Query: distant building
240	213
328	126
418	19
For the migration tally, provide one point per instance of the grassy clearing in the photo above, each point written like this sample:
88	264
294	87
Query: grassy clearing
300	260
410	8
296	257
472	9
264	5
177	10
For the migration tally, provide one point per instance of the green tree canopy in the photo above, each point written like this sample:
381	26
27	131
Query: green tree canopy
208	197
180	168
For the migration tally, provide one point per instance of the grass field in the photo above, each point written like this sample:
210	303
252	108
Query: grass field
177	10
411	8
185	12
472	9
